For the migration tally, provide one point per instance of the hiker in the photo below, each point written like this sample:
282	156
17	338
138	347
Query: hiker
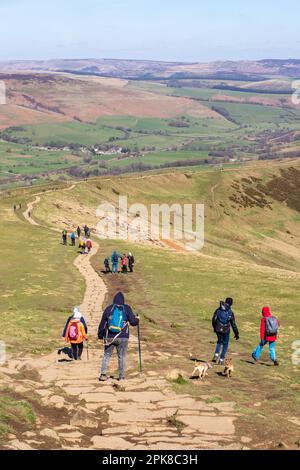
64	236
29	214
114	329
15	207
78	231
86	231
89	245
124	262
269	326
130	261
115	262
73	238
75	332
106	265
222	320
81	245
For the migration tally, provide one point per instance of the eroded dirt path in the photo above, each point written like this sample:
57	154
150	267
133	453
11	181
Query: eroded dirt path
76	411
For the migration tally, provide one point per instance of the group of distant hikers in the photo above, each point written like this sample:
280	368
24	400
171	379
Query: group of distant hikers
118	316
126	261
85	243
19	206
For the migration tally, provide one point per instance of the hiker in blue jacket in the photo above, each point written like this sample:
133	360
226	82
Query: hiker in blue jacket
222	320
114	329
115	262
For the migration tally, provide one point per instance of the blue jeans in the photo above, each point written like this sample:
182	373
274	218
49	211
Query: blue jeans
115	267
259	349
223	341
121	344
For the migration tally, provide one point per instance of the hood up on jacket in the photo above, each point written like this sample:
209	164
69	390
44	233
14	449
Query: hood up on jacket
266	312
224	305
119	299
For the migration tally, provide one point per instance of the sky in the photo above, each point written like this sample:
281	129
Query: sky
171	30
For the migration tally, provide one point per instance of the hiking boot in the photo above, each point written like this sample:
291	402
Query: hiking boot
276	363
215	358
103	378
221	362
254	357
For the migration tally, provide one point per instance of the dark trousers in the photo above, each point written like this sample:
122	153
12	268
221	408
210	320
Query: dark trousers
77	350
223	342
64	239
131	268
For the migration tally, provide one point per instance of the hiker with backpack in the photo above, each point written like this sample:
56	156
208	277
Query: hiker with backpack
114	330
78	231
86	231
75	332
124	262
73	238
130	261
115	262
89	245
223	320
269	326
64	236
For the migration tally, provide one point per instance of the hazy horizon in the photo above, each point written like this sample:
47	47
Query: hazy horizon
172	31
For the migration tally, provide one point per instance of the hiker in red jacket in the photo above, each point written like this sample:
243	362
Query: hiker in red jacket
269	326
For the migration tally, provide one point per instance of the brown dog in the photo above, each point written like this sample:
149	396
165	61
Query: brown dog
201	370
229	368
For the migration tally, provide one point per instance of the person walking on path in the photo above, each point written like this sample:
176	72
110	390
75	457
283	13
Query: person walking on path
64	236
130	262
76	333
78	231
269	326
115	262
106	265
224	319
114	329
89	244
124	263
73	238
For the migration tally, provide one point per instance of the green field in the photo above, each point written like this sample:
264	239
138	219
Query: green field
239	131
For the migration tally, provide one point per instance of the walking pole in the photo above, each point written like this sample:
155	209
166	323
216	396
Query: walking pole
87	350
140	351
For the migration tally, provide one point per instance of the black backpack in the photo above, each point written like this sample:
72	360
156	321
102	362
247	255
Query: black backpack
271	326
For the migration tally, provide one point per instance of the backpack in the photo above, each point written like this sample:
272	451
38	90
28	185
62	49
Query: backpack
271	326
116	319
115	258
73	331
223	320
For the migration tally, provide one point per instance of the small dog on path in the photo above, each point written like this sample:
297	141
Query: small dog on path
201	370
229	368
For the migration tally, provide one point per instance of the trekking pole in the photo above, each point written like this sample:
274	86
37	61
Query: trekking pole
87	351
139	343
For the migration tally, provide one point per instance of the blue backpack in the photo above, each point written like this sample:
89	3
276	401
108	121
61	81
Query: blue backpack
223	320
116	319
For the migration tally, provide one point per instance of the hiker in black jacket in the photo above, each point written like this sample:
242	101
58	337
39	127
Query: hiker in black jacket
114	329
222	320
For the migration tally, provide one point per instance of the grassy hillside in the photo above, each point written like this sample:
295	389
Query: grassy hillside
251	253
39	285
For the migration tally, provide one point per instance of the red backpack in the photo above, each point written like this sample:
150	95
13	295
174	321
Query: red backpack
73	331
